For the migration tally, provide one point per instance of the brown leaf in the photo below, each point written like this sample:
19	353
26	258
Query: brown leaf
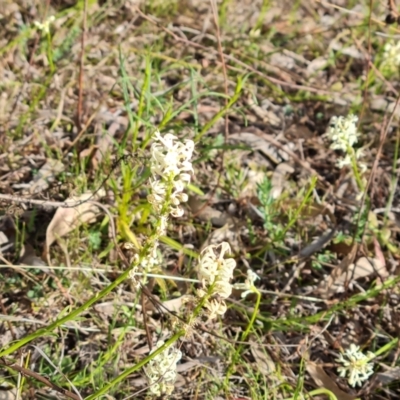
264	363
206	213
46	175
174	305
325	288
11	394
386	377
279	178
257	142
29	257
318	244
67	219
322	380
228	233
105	140
347	272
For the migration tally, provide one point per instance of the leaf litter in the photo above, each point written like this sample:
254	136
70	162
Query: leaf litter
303	71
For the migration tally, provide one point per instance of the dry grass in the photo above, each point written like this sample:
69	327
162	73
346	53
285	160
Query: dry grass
256	91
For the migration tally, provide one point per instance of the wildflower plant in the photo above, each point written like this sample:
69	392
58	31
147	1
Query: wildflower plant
344	136
170	168
44	29
161	370
390	58
270	212
356	365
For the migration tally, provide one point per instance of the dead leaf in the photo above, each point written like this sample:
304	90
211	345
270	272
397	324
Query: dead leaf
350	51
174	305
317	65
366	266
266	111
46	175
8	233
325	288
264	363
29	257
347	272
228	233
393	374
318	244
67	219
207	213
11	394
322	380
254	178
256	142
105	140
279	178
298	131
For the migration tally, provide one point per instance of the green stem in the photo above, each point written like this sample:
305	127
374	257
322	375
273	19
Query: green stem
73	314
143	362
355	170
244	335
253	317
50	53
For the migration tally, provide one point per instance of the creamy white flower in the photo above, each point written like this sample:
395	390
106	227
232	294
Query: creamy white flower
344	135
343	132
170	156
215	308
161	370
344	161
171	168
177	212
391	57
248	285
356	365
45	26
215	272
152	260
214	269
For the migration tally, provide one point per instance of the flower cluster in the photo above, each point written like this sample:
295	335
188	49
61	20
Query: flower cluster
248	285
356	365
45	26
344	135
170	168
161	370
215	273
391	57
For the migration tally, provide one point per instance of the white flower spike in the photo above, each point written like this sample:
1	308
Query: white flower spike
215	272
343	132
161	370
344	135
356	365
214	269
391	57
171	168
